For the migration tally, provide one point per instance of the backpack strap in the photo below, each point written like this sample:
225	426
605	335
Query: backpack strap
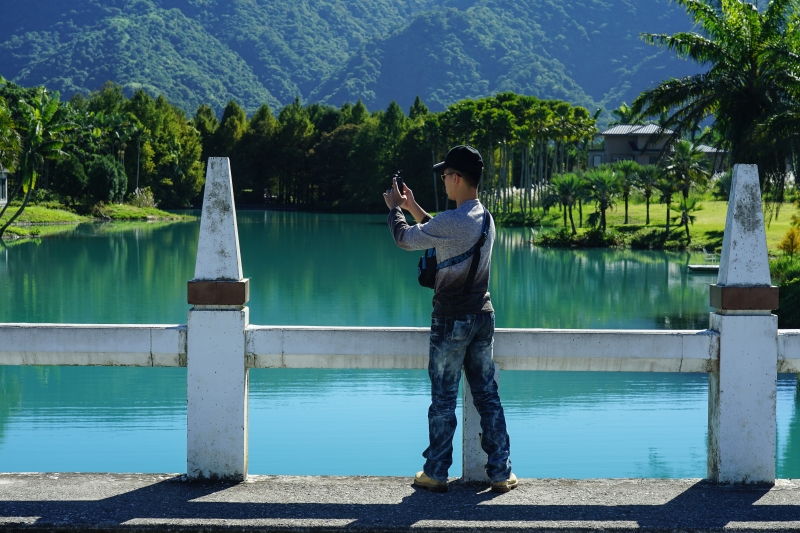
476	257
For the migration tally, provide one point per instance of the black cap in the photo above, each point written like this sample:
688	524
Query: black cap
464	158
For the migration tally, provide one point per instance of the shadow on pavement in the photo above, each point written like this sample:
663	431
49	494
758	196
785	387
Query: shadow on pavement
703	505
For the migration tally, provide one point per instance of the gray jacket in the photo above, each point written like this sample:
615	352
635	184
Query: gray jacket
452	233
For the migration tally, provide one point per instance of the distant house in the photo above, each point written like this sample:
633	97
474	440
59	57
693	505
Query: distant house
642	143
3	186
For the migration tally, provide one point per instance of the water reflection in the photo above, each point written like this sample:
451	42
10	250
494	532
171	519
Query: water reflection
94	419
319	269
587	289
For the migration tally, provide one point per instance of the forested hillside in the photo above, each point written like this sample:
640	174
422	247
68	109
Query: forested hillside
271	51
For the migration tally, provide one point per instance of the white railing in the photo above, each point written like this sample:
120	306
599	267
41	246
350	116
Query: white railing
378	348
742	351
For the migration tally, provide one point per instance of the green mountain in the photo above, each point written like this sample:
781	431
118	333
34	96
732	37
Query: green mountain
255	51
433	58
139	46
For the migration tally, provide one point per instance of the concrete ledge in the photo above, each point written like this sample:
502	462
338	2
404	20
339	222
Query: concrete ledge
147	502
514	349
92	345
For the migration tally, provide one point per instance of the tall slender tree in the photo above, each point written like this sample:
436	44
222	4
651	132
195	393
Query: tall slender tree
686	214
646	180
627	171
686	167
666	187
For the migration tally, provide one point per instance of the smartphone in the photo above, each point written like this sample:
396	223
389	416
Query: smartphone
399	178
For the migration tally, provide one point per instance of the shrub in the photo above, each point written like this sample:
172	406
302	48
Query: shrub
593	238
597	238
649	239
784	269
790	244
44	197
142	198
560	238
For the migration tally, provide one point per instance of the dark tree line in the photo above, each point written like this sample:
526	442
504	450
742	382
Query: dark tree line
340	158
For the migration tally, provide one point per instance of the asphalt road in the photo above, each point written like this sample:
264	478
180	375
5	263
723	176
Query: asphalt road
149	502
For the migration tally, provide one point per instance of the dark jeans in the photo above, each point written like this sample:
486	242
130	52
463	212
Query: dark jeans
456	342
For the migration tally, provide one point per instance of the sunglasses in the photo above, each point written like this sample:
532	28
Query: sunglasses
445	174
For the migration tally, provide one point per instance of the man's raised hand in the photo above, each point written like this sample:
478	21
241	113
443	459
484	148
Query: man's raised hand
393	197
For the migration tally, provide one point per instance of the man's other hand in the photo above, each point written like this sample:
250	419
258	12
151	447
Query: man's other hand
393	197
409	194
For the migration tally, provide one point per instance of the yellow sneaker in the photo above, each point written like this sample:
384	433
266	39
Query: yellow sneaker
505	486
423	481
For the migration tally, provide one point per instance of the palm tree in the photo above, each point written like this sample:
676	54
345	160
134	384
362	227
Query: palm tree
752	58
625	115
646	179
43	124
666	187
627	171
564	190
686	211
686	168
602	186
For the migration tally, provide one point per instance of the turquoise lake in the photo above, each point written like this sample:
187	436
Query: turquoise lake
323	269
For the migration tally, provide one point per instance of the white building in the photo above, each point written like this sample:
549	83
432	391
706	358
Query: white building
642	143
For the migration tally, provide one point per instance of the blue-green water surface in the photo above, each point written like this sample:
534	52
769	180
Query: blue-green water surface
320	269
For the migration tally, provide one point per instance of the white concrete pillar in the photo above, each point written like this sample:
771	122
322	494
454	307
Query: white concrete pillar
217	375
741	399
473	459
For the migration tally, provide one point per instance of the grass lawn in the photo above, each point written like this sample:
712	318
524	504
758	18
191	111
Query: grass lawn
41	221
35	214
130	212
706	231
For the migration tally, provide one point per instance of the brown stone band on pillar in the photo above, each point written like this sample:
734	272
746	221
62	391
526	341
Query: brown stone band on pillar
744	298
218	292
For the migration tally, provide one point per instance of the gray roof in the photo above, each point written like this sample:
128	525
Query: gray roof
709	149
636	129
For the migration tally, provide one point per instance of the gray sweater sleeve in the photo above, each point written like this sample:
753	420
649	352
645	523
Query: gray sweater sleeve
418	237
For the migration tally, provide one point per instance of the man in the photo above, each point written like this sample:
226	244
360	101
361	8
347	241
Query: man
462	325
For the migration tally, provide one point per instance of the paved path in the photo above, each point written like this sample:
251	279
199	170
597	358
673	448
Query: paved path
119	502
